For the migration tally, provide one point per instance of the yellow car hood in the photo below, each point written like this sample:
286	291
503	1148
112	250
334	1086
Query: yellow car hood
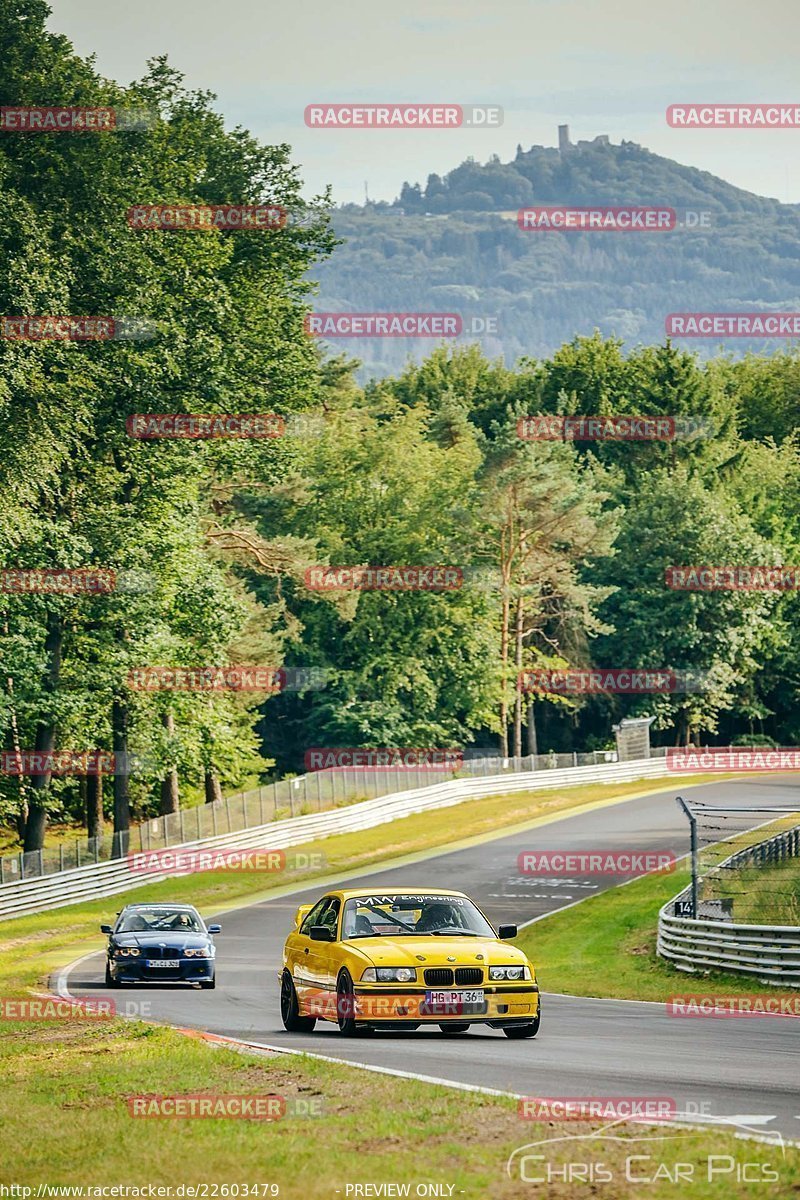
437	951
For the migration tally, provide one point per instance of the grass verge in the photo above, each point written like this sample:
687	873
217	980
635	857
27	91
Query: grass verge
606	946
66	1121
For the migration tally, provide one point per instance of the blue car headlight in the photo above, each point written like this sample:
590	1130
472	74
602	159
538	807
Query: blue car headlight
201	952
127	951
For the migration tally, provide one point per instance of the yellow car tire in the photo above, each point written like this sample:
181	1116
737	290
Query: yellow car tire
290	1015
526	1030
345	1007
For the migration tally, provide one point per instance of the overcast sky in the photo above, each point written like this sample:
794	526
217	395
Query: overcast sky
600	68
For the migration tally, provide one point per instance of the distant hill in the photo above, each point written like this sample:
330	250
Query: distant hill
455	246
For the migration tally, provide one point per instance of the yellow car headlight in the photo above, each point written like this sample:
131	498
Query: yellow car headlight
389	975
202	952
517	972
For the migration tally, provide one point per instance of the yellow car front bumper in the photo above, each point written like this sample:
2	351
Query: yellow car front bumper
406	1005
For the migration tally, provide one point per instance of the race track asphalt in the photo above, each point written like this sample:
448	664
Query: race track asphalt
747	1069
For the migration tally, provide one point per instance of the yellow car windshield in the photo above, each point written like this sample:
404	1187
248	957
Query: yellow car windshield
413	915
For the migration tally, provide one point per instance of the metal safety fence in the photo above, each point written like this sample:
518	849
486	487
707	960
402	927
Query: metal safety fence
712	940
114	875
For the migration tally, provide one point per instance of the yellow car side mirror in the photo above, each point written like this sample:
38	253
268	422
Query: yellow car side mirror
301	914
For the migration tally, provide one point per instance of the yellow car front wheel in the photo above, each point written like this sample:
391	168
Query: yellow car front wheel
346	1005
526	1030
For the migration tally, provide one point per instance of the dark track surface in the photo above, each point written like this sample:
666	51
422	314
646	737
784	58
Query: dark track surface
735	1067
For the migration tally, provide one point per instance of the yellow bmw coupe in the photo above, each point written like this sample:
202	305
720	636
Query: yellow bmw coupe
398	959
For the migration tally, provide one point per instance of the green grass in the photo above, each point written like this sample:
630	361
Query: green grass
63	1106
765	895
606	946
65	1121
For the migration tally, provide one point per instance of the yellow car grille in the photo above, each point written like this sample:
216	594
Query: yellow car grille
444	976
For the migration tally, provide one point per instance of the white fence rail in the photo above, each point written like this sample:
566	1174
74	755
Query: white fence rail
293	797
109	878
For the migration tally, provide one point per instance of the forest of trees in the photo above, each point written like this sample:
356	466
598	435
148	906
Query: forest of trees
563	545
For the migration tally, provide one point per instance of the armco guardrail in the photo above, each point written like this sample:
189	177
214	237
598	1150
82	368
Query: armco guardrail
293	797
771	953
109	878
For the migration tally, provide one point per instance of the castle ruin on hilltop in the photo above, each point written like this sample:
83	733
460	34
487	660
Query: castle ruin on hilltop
565	145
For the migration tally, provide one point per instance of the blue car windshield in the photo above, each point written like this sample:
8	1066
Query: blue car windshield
159	920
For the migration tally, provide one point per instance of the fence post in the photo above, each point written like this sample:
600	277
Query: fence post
693	848
183	832
244	810
197	822
319	793
214	816
228	812
261	805
274	801
60	860
21	865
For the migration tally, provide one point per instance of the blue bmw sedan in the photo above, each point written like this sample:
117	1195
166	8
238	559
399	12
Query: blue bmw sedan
169	943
